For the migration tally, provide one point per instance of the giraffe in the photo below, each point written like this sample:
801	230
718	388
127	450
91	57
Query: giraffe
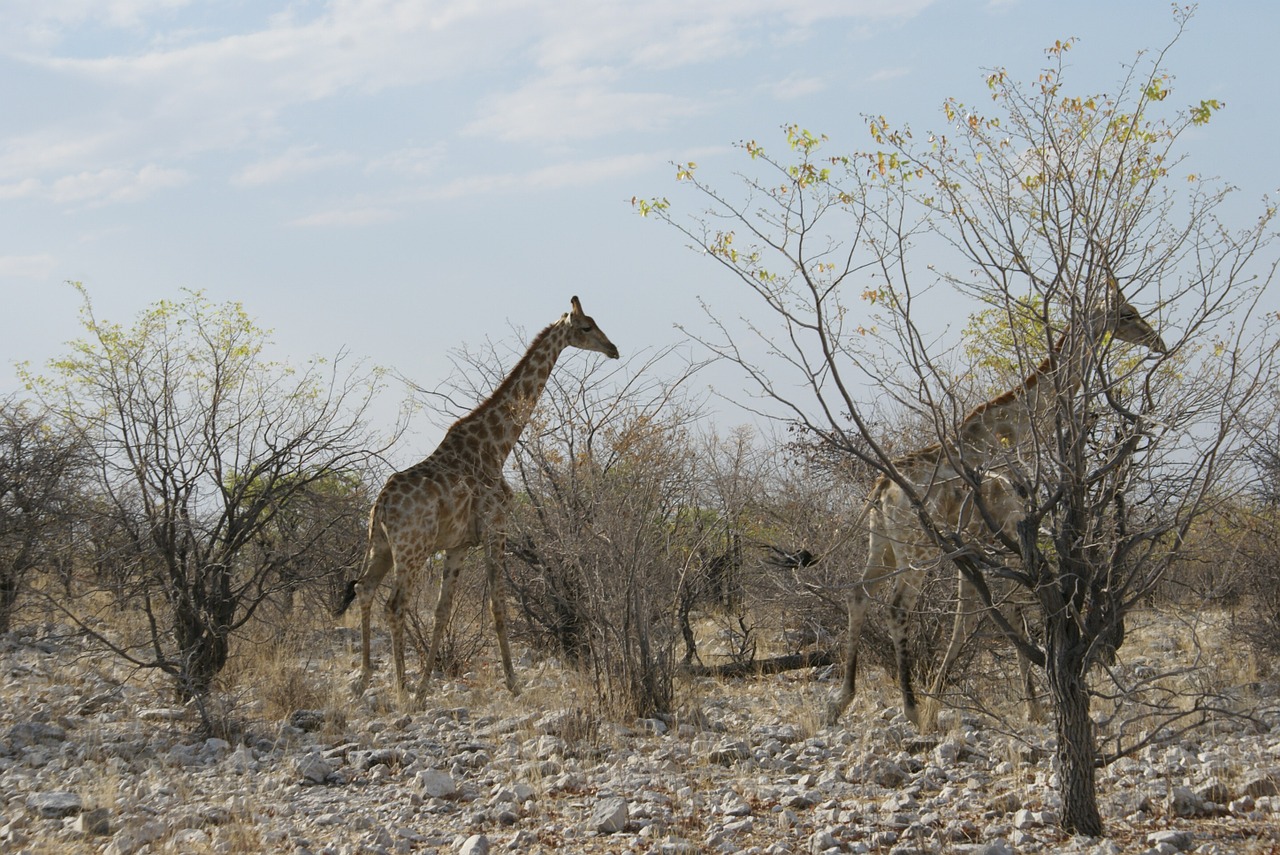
988	439
457	499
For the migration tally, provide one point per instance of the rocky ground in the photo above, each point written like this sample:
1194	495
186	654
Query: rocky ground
92	760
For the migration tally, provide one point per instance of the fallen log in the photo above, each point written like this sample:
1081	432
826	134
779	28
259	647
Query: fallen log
760	667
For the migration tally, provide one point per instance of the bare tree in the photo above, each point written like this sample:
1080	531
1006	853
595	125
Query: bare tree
206	454
603	527
41	464
1048	203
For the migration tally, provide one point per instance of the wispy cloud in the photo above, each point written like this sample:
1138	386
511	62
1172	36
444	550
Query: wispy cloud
115	185
575	106
295	162
413	161
20	189
553	177
186	87
886	74
27	266
794	86
342	217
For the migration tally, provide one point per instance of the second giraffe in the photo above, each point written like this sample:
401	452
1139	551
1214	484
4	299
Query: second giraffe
457	499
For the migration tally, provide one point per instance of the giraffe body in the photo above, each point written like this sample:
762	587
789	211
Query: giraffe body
989	439
457	499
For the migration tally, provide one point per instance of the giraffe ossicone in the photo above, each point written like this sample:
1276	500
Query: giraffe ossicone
989	439
457	499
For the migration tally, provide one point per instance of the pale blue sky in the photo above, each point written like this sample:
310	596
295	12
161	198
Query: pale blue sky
400	177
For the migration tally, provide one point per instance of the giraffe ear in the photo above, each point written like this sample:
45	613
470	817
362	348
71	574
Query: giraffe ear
577	306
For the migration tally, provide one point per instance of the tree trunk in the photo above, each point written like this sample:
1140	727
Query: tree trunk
202	623
8	596
1076	750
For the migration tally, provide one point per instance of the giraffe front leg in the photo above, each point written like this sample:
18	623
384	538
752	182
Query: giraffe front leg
961	628
497	605
366	660
899	610
853	633
395	617
378	563
444	606
1035	711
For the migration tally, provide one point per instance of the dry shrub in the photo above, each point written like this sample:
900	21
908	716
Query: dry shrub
1257	619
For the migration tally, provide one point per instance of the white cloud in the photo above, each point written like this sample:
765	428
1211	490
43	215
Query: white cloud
27	266
676	33
295	162
886	74
367	216
115	185
41	23
556	176
792	87
188	86
20	189
413	161
575	106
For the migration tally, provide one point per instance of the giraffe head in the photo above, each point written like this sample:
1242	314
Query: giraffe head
584	334
1127	324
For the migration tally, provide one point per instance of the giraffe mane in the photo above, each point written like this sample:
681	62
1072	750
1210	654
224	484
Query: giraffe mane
488	403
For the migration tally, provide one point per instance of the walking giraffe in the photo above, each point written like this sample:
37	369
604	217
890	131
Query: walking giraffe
457	499
987	440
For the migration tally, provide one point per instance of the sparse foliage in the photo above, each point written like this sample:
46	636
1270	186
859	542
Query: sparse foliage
1034	208
214	467
41	470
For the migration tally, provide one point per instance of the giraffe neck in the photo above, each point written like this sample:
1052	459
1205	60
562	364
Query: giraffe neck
495	425
997	425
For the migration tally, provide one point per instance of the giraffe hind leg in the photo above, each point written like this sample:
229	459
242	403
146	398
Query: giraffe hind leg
961	629
396	604
881	561
444	605
497	605
1035	711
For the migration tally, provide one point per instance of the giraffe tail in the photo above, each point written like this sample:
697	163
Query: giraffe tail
348	597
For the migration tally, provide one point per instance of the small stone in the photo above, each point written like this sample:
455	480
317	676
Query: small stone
476	844
55	805
1026	819
189	840
1179	840
821	841
735	805
35	733
1264	784
524	841
610	815
728	753
1183	802
1005	803
517	793
950	752
313	769
307	720
129	840
162	714
436	784
566	724
1214	792
94	822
